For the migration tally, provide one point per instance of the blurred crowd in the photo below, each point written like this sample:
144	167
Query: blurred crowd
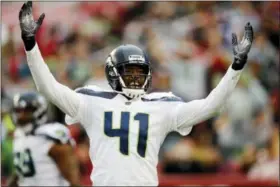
189	45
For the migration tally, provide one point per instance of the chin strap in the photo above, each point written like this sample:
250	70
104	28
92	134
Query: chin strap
134	94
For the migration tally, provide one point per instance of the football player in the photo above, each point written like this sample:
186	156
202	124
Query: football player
126	126
43	152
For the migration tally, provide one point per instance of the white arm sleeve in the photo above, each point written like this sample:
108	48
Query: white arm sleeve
188	114
62	96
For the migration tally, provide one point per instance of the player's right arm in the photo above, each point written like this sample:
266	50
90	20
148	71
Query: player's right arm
63	97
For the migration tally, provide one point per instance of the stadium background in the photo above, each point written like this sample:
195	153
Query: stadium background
189	44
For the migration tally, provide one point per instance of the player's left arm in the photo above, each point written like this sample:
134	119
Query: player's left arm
66	161
191	113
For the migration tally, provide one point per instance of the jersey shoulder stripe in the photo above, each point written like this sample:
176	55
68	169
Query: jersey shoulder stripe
96	91
105	95
161	96
55	132
169	99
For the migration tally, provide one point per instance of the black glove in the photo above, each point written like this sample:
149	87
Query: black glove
241	50
28	26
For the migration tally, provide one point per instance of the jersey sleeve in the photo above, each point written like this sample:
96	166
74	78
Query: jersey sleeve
62	96
185	115
56	133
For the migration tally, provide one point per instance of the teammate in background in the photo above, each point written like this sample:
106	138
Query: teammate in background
126	126
43	152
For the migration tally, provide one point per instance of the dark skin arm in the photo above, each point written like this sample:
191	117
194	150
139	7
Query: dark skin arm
66	161
12	182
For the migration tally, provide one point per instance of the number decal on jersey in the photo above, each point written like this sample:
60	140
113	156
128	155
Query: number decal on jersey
143	132
123	131
24	163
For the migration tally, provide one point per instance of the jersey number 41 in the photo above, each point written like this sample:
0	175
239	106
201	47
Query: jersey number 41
123	131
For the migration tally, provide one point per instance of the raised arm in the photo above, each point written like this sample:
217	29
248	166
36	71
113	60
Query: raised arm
63	97
191	113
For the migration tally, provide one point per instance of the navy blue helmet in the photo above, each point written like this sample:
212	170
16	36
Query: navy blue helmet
29	107
128	71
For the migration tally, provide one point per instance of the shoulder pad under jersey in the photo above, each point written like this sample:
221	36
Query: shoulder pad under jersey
91	87
96	91
161	96
91	90
54	131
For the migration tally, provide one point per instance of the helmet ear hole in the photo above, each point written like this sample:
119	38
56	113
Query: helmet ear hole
112	73
113	77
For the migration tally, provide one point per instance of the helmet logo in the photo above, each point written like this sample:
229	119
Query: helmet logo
136	58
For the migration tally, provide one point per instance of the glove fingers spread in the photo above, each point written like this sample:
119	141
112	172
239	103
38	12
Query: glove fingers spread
241	50
28	25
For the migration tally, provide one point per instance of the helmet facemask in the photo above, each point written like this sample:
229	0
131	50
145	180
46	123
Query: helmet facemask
23	116
27	113
130	78
133	76
134	79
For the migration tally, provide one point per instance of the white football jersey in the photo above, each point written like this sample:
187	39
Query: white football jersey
34	166
125	137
